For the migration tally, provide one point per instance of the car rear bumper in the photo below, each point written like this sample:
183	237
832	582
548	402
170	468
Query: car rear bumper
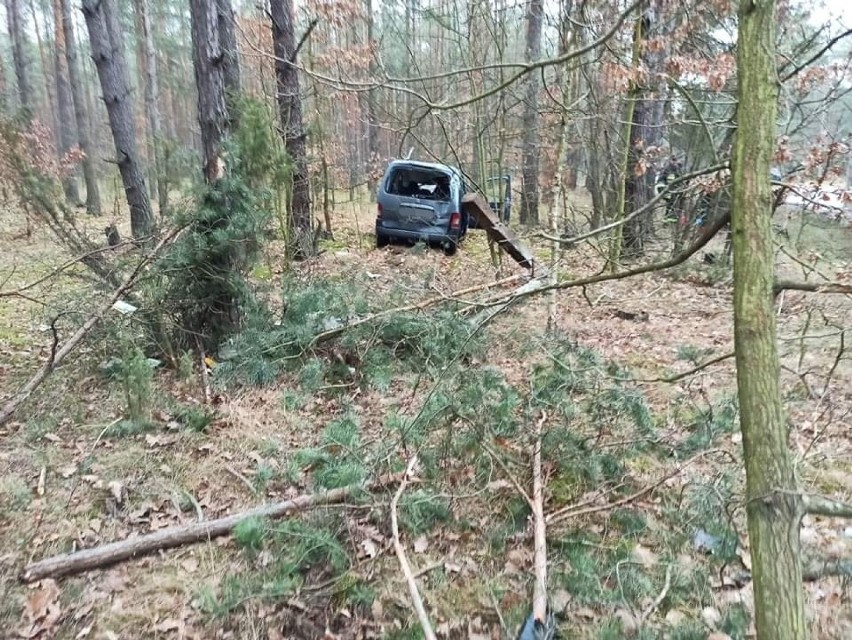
424	235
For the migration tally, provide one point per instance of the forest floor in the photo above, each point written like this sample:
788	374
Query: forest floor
659	551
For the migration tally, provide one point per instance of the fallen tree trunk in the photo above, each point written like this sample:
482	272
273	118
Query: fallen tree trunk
87	559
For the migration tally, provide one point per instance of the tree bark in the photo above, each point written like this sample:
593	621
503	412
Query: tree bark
773	505
282	13
19	57
230	54
93	196
107	45
65	102
646	131
372	116
51	108
152	104
529	193
209	63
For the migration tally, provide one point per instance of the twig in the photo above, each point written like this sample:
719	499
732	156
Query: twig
685	374
575	511
205	379
96	557
241	477
659	599
70	263
539	608
302	40
508	472
422	617
536	287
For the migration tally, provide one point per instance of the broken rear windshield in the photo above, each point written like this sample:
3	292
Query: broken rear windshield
419	183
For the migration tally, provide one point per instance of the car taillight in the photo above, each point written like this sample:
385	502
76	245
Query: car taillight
455	220
378	211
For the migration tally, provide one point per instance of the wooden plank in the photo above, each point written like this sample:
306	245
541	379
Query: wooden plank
475	205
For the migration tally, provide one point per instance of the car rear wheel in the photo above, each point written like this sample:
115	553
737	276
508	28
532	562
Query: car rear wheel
450	248
381	240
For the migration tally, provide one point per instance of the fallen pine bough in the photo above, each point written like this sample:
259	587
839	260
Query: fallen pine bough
96	557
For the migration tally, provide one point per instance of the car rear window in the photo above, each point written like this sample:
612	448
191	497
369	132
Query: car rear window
421	183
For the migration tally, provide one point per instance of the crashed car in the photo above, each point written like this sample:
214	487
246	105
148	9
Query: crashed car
421	201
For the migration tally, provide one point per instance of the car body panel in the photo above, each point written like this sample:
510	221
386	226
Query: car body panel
417	201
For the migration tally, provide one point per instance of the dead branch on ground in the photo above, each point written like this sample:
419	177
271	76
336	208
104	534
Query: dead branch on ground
821	506
659	599
812	287
417	601
539	610
685	374
96	557
62	352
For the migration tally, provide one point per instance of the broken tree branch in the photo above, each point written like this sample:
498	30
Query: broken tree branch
539	608
331	333
60	354
419	608
822	506
685	374
87	559
542	286
659	599
813	287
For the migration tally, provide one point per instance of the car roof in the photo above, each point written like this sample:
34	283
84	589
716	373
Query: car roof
424	165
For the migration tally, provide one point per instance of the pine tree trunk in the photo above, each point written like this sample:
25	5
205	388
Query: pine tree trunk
372	118
152	104
530	191
646	132
107	43
47	68
209	64
292	130
65	102
19	57
228	43
773	506
93	196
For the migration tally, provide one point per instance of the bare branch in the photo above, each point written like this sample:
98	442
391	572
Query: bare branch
539	608
419	608
72	342
814	287
528	290
816	56
693	371
653	202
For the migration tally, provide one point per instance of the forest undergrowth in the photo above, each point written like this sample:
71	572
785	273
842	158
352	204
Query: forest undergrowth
646	536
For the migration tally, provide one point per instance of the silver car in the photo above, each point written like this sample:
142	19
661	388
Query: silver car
421	201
